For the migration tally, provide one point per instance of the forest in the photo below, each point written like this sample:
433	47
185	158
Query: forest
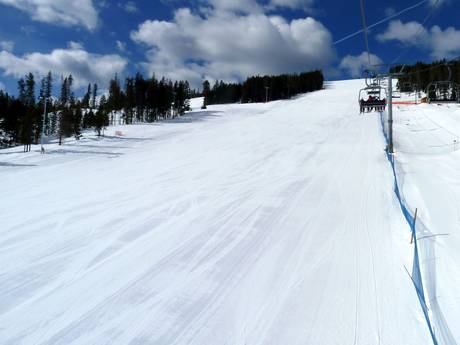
138	100
420	75
23	118
263	88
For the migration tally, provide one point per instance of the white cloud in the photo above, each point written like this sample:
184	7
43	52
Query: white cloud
441	43
121	46
230	46
445	44
404	32
129	6
292	4
390	11
356	64
437	3
7	45
85	67
61	12
254	6
2	86
239	6
75	45
27	29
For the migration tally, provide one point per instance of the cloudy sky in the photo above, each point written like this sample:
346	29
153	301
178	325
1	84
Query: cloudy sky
215	39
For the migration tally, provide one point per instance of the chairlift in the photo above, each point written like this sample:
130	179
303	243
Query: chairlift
372	97
407	87
444	91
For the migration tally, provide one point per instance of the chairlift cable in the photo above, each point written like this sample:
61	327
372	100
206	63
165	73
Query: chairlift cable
428	17
366	37
386	19
457	59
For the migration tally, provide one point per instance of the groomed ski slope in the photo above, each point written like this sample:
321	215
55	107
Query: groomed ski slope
245	224
428	160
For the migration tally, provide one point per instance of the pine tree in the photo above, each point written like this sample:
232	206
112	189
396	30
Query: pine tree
87	97
49	85
71	96
64	97
48	94
45	96
66	116
88	119
130	100
30	90
181	97
140	95
152	99
188	95
22	90
94	101
101	119
206	94
78	119
115	101
29	121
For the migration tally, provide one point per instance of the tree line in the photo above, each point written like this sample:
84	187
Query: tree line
23	118
262	88
417	77
138	100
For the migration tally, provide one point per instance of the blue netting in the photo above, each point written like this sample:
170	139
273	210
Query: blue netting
416	272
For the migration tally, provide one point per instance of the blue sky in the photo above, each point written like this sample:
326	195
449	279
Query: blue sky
213	39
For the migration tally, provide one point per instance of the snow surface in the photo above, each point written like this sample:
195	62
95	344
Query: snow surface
427	152
243	224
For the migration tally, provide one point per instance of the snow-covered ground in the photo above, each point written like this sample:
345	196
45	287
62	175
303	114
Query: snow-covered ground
427	152
243	224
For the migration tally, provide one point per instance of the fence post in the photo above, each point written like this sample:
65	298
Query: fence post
413	230
390	114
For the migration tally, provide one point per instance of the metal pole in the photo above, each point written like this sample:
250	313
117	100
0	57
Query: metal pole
415	222
266	94
43	129
390	114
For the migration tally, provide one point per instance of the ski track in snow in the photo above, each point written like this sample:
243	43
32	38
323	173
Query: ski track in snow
243	224
429	166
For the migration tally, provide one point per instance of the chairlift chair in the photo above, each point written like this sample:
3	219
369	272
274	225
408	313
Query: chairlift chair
407	87
372	98
445	91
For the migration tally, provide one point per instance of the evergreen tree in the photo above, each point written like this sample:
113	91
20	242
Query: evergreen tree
87	97
101	120
49	85
151	101
22	90
26	117
206	94
45	96
115	101
78	119
66	115
88	119
130	100
188	95
70	94
30	90
64	97
11	112
140	95
144	100
94	100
